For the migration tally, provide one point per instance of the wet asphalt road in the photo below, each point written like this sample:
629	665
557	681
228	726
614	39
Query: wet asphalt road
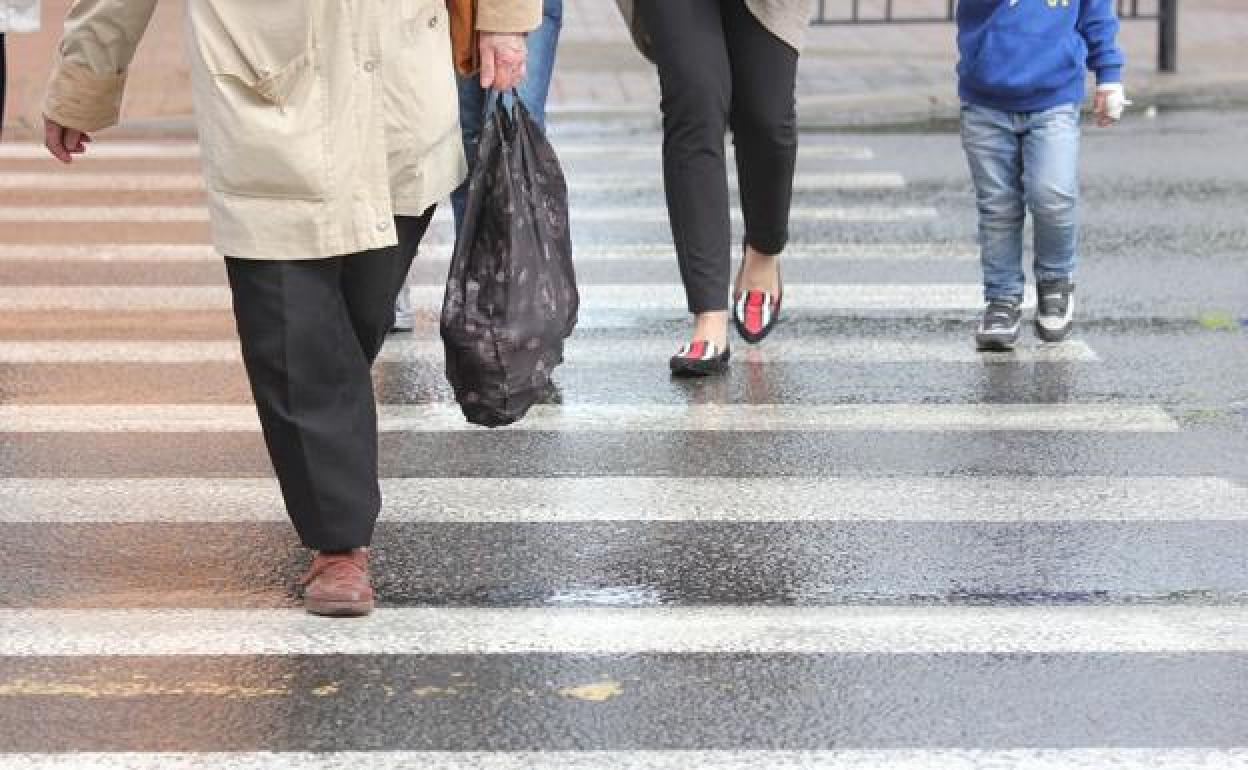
1142	509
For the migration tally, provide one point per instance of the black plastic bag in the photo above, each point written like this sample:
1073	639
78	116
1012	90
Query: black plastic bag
511	296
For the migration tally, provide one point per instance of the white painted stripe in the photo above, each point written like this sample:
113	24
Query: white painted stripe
838	759
618	631
630	252
633	214
811	296
194	418
619	499
127	182
123	150
860	180
154	182
111	150
579	350
851	214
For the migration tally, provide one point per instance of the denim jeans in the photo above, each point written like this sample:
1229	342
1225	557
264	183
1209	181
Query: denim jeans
475	102
1022	161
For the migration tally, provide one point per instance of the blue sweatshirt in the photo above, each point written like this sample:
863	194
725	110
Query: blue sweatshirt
1030	55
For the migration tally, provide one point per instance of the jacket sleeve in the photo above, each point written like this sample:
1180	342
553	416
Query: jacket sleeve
1098	23
509	15
85	89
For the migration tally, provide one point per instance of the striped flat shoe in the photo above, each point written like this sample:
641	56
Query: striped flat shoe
699	359
755	314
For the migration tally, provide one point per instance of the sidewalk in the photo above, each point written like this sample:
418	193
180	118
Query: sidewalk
850	76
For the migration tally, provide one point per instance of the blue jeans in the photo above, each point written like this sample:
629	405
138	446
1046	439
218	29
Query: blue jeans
475	102
1022	161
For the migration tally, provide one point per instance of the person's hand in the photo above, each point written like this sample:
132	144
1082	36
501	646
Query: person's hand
502	60
1109	103
63	142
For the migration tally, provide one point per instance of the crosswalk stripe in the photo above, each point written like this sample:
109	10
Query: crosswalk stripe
634	214
811	182
578	350
618	631
811	296
127	150
833	759
630	252
199	418
156	182
619	499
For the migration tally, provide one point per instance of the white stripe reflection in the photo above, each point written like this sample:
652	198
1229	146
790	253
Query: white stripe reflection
604	499
578	350
607	631
843	759
199	418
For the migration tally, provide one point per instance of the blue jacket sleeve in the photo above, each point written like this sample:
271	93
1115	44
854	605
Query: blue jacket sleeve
1098	23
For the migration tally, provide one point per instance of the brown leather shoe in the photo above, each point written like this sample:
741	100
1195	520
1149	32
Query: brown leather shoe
337	584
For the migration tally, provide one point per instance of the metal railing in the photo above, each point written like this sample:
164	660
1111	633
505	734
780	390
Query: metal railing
839	12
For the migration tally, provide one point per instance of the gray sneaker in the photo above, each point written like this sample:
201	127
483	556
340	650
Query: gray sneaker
999	326
403	320
1055	310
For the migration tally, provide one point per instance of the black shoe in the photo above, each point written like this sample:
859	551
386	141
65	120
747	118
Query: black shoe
1000	324
1055	310
700	358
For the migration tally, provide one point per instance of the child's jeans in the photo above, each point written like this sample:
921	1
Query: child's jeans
1020	161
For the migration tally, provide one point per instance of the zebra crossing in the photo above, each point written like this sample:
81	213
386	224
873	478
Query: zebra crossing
807	565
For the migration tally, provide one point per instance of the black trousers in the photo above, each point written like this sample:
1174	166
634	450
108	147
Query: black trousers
310	332
720	68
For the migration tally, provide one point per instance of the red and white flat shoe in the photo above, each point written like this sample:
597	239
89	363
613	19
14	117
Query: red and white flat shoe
755	313
700	358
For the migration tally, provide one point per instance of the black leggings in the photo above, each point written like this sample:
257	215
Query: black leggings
720	68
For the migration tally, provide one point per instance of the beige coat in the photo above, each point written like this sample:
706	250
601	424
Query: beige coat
319	120
786	19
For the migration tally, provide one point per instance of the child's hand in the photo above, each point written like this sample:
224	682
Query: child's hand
1110	101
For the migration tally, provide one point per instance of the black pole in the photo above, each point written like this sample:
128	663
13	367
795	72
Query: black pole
1168	36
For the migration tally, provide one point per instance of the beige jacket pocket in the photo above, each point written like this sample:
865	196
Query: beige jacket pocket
419	68
262	100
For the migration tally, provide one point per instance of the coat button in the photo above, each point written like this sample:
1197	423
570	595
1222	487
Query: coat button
370	65
433	22
383	226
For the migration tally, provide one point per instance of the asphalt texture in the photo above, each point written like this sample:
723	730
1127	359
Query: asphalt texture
1163	313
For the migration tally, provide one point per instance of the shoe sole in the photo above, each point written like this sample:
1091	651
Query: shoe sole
1053	335
995	344
687	368
333	609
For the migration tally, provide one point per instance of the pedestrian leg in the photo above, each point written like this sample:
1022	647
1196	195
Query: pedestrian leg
308	342
994	152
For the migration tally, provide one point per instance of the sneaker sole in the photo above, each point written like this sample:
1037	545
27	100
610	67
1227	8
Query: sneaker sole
1053	335
333	609
996	344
